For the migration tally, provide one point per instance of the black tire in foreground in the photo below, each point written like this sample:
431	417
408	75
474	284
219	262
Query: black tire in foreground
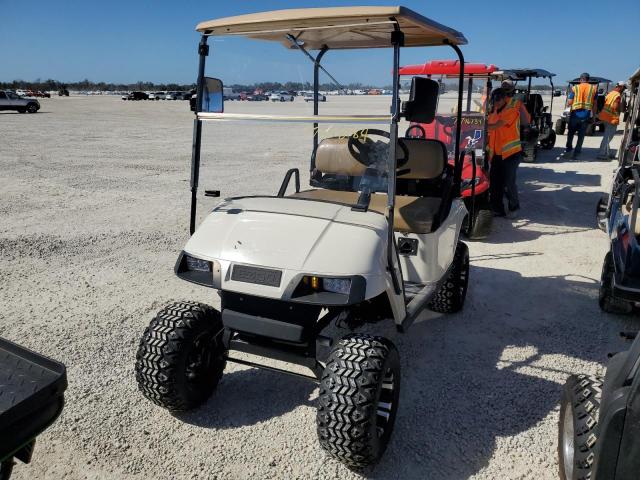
578	426
180	358
32	108
450	297
358	400
607	301
560	126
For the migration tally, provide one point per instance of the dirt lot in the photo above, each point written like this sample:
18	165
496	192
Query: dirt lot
93	212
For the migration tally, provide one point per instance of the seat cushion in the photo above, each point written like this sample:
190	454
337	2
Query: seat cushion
411	214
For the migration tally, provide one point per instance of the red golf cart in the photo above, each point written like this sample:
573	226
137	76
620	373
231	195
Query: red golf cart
473	134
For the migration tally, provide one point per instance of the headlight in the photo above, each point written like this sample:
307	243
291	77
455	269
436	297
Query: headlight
197	270
337	285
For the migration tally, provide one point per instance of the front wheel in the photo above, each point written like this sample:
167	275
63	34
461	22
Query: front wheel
450	298
181	357
530	151
578	426
32	108
358	401
606	299
480	226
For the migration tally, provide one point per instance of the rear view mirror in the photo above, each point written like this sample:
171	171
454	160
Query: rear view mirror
423	100
212	96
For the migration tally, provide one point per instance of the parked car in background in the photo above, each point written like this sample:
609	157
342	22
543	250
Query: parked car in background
281	97
308	97
157	95
557	92
21	92
257	97
136	96
171	96
229	94
12	101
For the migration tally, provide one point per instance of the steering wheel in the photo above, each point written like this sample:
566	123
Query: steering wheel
447	124
420	131
360	149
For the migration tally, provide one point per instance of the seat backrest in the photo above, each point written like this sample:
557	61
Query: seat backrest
333	157
427	158
535	104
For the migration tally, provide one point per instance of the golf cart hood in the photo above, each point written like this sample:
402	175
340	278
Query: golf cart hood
294	236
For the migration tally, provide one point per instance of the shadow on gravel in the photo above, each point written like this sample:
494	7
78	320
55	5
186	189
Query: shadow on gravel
250	396
469	382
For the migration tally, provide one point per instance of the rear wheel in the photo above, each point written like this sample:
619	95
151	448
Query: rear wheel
450	298
482	218
606	299
590	130
578	426
181	358
358	400
560	126
548	139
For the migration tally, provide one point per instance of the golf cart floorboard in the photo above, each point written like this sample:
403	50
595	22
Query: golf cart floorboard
31	395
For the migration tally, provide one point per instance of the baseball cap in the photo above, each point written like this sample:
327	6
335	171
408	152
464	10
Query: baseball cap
507	84
585	75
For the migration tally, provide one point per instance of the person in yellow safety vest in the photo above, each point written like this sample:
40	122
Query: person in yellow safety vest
503	126
582	100
610	116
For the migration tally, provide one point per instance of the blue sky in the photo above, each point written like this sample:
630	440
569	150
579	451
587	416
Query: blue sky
127	41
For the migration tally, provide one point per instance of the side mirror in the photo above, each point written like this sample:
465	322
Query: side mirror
212	96
423	100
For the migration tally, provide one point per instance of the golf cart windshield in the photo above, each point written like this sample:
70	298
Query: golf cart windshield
476	91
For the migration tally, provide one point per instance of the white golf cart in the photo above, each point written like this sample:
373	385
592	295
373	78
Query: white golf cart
376	237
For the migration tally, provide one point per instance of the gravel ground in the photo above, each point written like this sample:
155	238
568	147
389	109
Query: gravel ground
93	212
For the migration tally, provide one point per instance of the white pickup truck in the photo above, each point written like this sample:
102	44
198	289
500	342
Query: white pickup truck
229	94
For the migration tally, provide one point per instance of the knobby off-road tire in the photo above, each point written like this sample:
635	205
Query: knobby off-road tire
358	401
560	127
607	301
450	297
578	426
181	358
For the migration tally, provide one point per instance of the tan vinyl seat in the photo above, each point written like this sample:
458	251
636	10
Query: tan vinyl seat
427	160
411	214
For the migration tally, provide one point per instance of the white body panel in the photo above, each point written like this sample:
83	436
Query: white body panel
296	236
435	252
304	237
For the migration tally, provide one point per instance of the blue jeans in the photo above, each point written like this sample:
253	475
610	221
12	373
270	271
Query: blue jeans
609	132
578	125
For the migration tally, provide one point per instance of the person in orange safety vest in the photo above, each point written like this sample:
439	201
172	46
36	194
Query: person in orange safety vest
582	101
505	151
610	116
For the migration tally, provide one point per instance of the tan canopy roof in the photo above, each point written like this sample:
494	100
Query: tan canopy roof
337	27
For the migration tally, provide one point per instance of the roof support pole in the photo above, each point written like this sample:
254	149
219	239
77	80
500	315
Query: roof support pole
457	169
203	51
316	87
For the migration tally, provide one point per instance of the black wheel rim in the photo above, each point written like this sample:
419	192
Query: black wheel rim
200	359
385	406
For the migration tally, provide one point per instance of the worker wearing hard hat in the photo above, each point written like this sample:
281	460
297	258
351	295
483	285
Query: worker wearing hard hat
512	102
582	101
503	125
610	116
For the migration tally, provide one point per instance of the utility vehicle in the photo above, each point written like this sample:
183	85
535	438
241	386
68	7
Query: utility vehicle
599	428
375	238
617	214
475	170
540	132
602	85
31	398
